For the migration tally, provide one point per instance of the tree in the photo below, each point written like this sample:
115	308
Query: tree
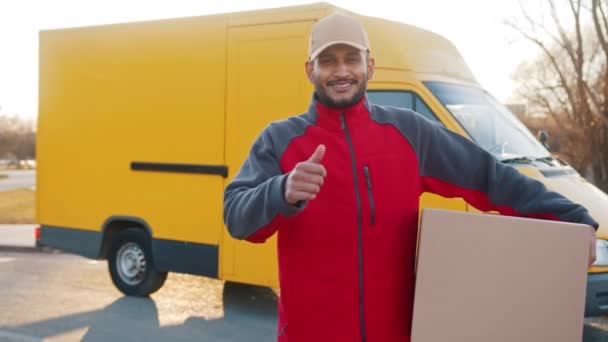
17	138
569	79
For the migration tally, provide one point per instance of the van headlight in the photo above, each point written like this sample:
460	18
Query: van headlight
601	251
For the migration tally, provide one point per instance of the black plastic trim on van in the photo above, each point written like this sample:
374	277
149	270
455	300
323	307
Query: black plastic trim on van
81	242
221	170
169	255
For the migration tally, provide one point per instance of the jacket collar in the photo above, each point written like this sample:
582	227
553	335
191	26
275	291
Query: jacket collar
329	118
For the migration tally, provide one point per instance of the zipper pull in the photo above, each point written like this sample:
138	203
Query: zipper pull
342	121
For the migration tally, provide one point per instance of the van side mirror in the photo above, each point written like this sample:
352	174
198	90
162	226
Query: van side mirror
543	137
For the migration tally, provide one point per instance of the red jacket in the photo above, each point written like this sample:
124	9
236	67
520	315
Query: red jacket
346	259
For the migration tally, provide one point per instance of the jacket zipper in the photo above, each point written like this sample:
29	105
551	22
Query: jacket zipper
370	194
359	228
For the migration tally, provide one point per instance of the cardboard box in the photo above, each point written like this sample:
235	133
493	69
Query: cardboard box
483	277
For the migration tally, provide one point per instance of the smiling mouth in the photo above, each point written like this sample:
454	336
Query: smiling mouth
341	86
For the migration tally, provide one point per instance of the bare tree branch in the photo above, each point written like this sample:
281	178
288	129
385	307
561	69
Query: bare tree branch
595	8
601	8
576	11
569	79
563	103
526	16
594	53
598	18
551	112
595	102
552	59
577	58
566	43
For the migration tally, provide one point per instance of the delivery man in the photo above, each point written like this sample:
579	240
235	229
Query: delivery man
340	184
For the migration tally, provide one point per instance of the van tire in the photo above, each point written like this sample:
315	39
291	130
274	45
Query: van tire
131	263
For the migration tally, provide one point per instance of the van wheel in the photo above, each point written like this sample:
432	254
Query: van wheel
131	265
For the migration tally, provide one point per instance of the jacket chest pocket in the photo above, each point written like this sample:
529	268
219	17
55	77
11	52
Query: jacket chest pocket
391	185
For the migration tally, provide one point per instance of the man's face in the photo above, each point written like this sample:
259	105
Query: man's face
340	74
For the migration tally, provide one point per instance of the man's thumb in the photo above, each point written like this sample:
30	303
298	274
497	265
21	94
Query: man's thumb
317	156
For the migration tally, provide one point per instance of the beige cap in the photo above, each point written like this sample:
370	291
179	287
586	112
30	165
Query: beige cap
337	29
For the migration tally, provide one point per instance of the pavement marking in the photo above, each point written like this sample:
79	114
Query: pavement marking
4	259
16	337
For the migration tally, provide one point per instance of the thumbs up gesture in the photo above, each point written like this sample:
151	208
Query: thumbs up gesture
305	180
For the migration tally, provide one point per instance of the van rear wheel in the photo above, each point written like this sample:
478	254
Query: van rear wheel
131	264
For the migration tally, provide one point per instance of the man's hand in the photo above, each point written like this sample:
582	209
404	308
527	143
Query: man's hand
592	255
305	180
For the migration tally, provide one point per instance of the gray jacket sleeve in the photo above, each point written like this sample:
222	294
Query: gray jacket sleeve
452	165
255	197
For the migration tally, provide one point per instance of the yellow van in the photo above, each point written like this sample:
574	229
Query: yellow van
142	125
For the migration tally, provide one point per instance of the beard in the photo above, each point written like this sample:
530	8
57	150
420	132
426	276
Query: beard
343	103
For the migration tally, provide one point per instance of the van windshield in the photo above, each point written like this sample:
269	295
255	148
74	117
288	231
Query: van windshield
491	125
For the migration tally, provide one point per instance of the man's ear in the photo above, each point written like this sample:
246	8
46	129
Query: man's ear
371	67
310	70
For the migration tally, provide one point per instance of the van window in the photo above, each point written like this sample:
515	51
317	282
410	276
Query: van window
422	108
491	125
402	99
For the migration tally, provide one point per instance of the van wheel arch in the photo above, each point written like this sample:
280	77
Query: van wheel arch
114	225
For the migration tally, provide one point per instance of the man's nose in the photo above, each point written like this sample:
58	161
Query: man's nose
341	69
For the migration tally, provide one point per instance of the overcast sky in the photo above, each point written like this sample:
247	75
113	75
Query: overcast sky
474	26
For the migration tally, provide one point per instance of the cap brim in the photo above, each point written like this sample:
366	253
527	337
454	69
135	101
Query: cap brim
320	49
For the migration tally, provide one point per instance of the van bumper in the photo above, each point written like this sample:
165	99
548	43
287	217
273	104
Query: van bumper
596	303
